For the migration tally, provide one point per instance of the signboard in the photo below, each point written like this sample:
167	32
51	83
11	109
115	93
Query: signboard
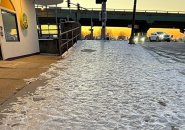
24	21
100	1
135	26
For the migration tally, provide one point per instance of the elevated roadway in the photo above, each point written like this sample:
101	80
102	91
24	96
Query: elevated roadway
145	19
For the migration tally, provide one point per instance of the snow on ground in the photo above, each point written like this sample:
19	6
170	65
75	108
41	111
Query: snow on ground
104	86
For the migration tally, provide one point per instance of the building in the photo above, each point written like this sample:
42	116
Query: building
18	27
18	30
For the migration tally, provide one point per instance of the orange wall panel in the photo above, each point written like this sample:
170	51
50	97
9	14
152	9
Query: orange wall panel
7	4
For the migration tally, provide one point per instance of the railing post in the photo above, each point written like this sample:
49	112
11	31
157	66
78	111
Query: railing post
76	35
67	37
72	38
59	45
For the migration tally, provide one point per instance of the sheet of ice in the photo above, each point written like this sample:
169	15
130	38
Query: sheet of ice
104	86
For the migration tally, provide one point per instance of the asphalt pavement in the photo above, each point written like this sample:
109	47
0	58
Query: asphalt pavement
172	50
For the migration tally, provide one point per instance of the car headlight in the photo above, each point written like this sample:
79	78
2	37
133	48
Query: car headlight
136	39
161	36
143	39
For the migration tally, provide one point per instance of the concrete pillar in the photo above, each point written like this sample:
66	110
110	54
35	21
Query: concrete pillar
142	31
182	30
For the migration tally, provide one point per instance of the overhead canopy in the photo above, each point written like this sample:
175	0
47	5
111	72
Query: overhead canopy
7	4
48	2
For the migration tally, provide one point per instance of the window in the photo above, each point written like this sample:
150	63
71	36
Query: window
49	29
160	33
10	26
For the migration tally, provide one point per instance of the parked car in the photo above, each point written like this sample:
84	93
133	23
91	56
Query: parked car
160	36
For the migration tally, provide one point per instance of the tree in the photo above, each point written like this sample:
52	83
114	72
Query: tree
122	36
109	33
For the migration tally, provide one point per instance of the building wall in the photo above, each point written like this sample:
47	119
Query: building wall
28	38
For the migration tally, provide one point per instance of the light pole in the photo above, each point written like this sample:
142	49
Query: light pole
91	26
103	17
131	40
104	20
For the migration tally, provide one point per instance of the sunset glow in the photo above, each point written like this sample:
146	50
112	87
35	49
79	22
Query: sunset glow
164	5
116	31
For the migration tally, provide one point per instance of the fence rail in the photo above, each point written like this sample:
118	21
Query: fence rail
68	39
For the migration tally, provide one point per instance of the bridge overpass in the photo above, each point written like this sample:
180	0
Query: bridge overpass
145	19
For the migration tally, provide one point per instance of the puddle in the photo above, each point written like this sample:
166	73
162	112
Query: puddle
162	103
88	50
35	99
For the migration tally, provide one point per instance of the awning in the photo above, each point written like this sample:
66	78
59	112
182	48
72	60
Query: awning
48	2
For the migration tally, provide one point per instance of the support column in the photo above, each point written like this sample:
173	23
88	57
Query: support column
142	31
182	30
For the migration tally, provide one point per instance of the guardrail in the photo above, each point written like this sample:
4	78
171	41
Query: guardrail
67	39
118	10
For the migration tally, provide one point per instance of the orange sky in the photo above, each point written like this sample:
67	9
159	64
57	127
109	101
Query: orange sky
165	5
115	31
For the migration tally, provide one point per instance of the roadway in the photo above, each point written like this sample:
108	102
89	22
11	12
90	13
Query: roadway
172	50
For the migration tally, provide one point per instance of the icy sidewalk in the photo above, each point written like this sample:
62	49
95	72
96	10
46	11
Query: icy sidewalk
104	86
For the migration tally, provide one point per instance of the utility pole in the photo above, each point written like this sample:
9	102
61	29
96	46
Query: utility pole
131	40
104	20
91	27
68	5
103	17
78	9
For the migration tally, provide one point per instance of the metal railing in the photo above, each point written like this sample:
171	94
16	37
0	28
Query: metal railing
67	39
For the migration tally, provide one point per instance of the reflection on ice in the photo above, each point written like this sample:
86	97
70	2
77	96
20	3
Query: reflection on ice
117	86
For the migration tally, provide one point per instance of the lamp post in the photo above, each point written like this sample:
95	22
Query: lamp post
103	17
131	40
91	29
104	20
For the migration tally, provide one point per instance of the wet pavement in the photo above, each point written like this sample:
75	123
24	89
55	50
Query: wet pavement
173	50
13	73
104	86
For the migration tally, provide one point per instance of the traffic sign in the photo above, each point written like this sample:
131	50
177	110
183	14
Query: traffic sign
100	1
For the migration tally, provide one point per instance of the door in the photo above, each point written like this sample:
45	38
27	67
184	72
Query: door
1	35
8	31
153	36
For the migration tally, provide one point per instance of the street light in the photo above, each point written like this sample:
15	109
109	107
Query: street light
103	17
78	6
131	40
